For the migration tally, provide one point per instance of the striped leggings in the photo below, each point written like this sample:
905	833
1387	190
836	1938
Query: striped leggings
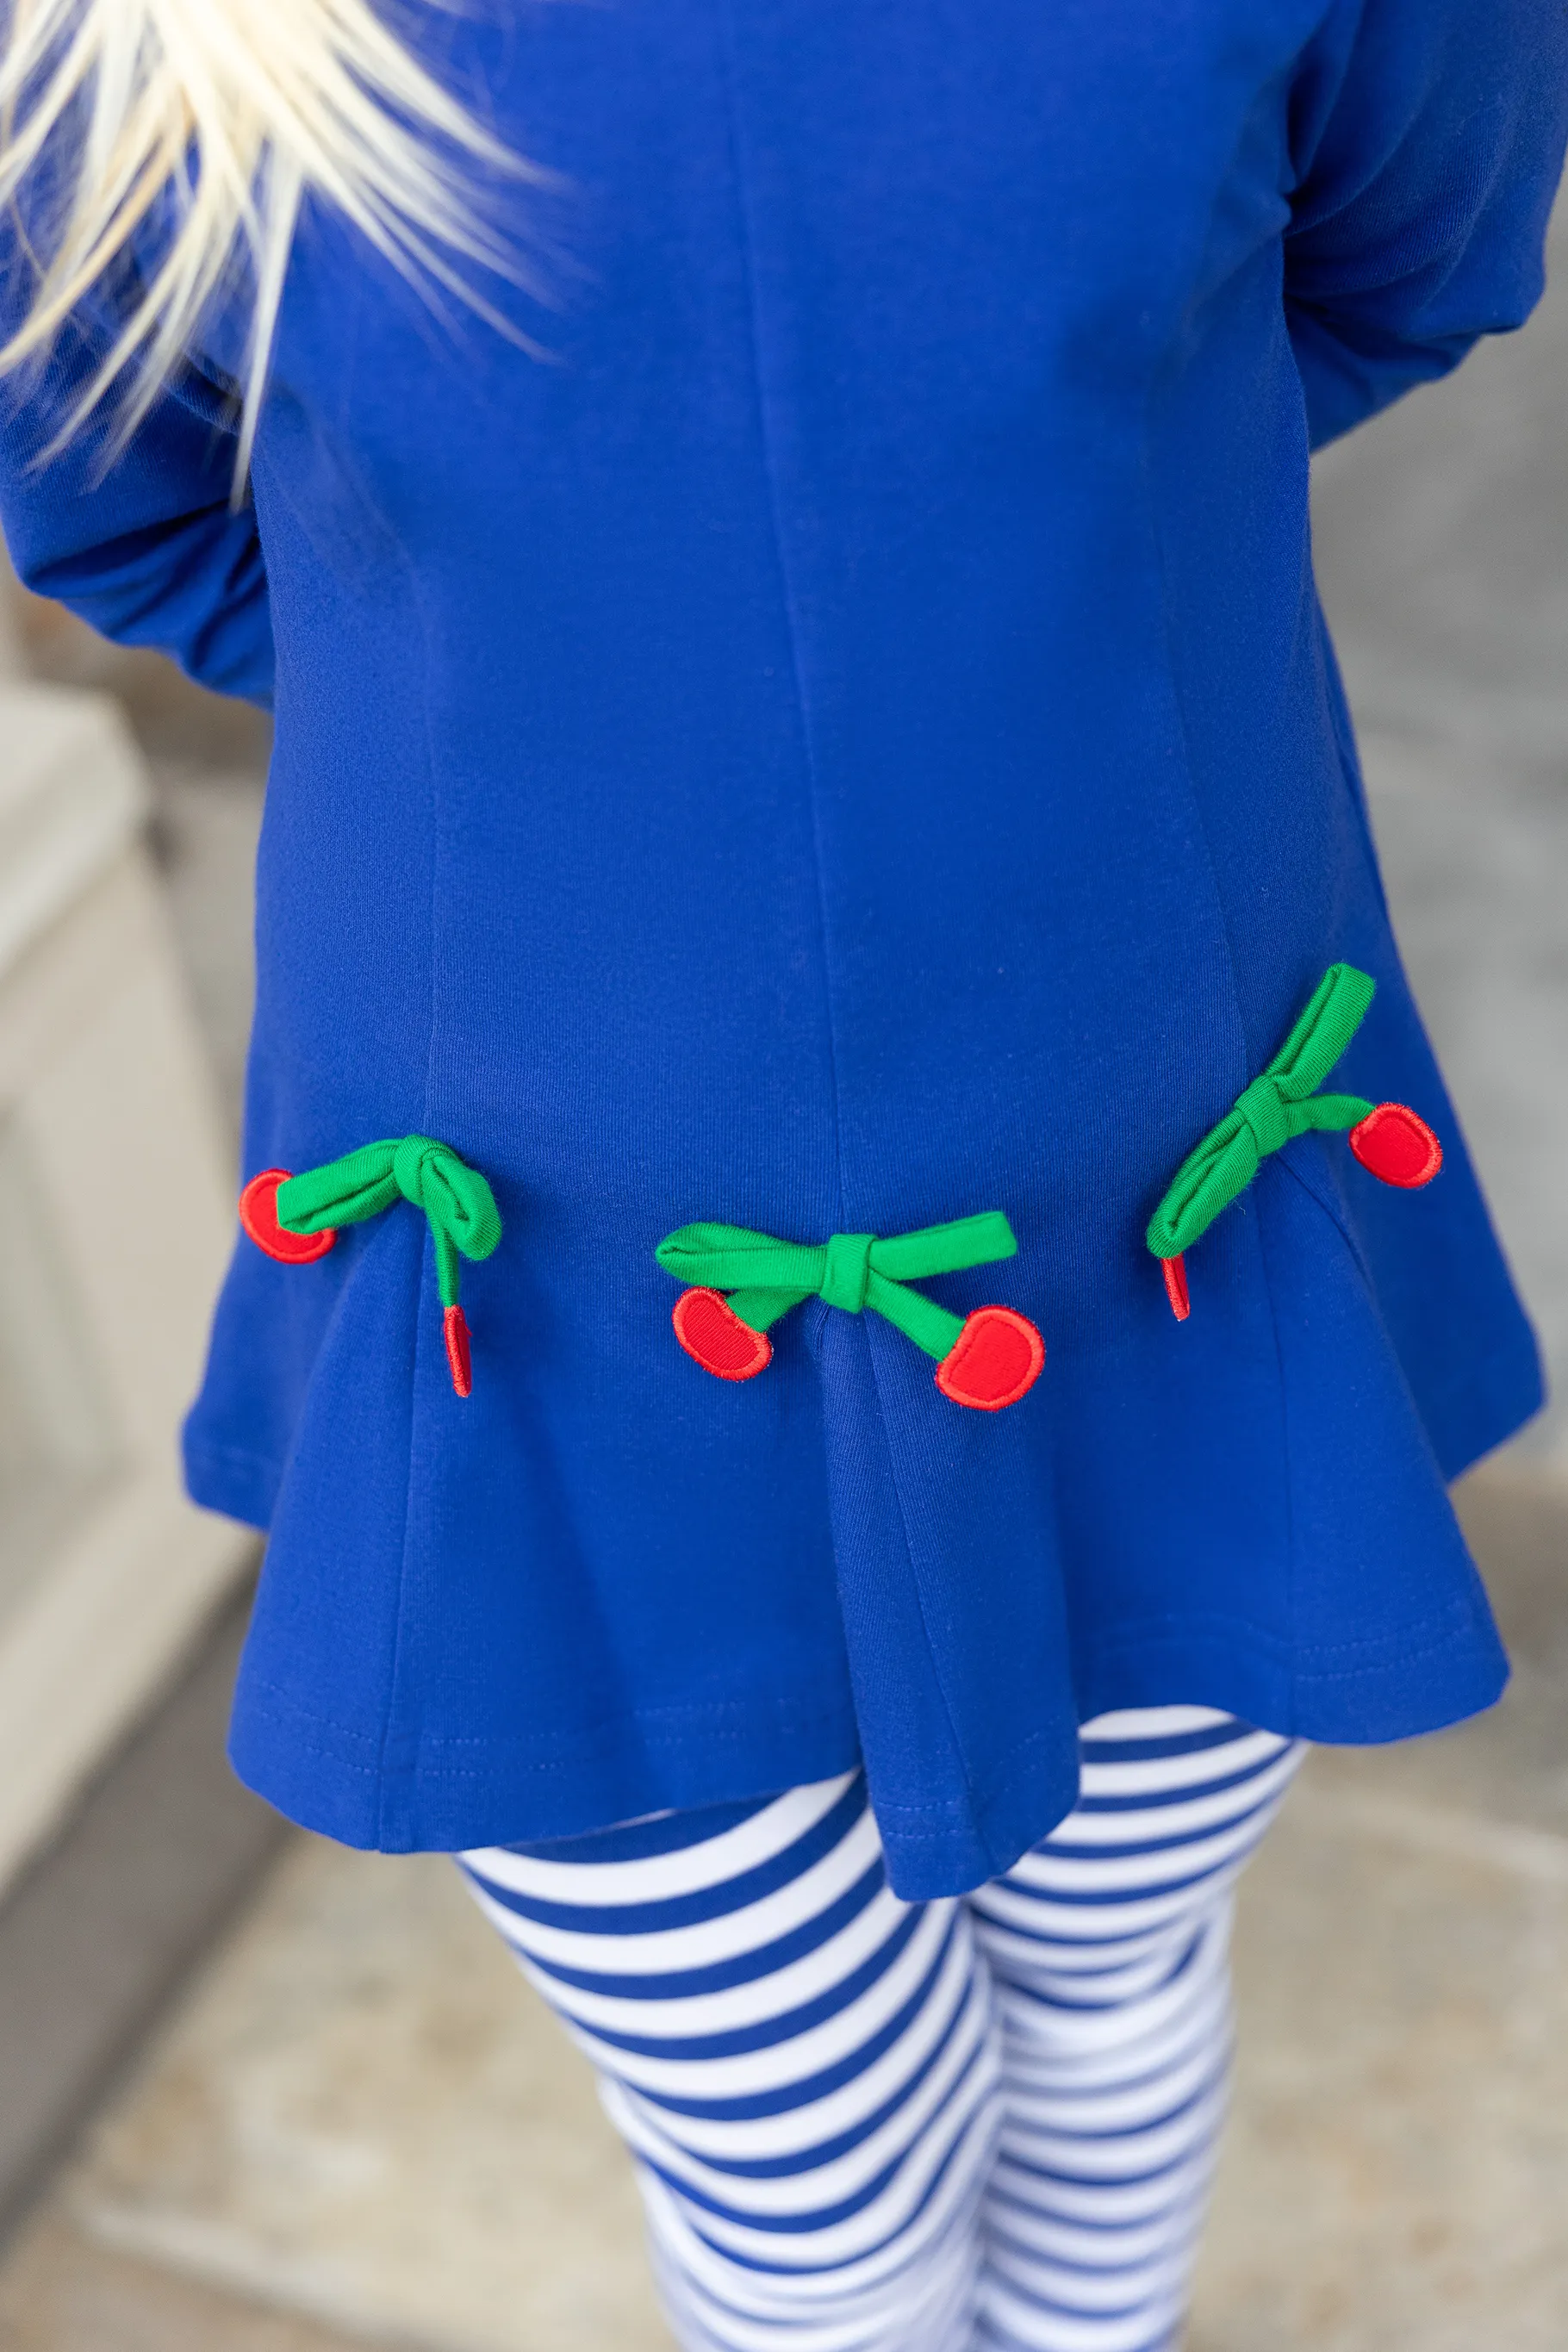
868	2125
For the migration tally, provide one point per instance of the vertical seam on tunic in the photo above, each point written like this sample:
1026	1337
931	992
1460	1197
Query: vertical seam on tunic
786	589
960	1755
1341	730
748	264
1157	541
1291	1580
399	1644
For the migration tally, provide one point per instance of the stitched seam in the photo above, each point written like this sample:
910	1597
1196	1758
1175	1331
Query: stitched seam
970	1799
1156	537
1292	1594
1195	805
1008	1758
748	261
1347	757
1368	1285
217	1451
399	1642
789	1716
745	1708
745	244
1174	1627
1331	1209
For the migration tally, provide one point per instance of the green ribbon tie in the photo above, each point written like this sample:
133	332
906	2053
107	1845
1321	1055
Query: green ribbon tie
457	1203
1282	1103
764	1277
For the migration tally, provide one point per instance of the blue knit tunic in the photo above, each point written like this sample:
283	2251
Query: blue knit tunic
845	740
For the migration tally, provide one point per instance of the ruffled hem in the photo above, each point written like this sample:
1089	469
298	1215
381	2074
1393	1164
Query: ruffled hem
1247	1510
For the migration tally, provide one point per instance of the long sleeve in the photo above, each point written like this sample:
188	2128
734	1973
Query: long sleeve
147	548
1428	138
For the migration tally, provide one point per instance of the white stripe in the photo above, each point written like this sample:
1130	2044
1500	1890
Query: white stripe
831	2282
1027	2325
1180	1819
1128	2152
1115	2249
873	2304
745	2139
1141	1777
1111	1874
1085	1979
662	1878
1097	2290
1164	2199
874	2232
1091	1928
1107	2070
698	2015
707	1943
830	2183
1141	1724
779	2065
1063	2116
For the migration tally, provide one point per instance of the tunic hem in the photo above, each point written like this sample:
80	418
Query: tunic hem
673	1758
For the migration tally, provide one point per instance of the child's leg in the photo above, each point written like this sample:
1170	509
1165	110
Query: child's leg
805	2067
1107	1950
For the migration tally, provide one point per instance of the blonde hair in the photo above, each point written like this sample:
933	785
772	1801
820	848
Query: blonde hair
227	111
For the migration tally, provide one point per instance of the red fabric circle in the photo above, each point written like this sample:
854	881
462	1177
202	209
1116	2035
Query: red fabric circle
714	1336
994	1360
1396	1147
258	1216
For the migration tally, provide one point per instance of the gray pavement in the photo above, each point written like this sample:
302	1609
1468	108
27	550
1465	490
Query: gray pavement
105	1928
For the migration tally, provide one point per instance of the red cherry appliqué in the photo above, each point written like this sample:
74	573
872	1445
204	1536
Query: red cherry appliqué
258	1216
1396	1147
714	1336
1174	1270
994	1360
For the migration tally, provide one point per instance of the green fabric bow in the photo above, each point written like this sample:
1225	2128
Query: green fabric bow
459	1205
765	1278
1280	1104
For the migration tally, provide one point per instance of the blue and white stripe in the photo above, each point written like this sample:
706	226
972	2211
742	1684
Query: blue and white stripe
868	2125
